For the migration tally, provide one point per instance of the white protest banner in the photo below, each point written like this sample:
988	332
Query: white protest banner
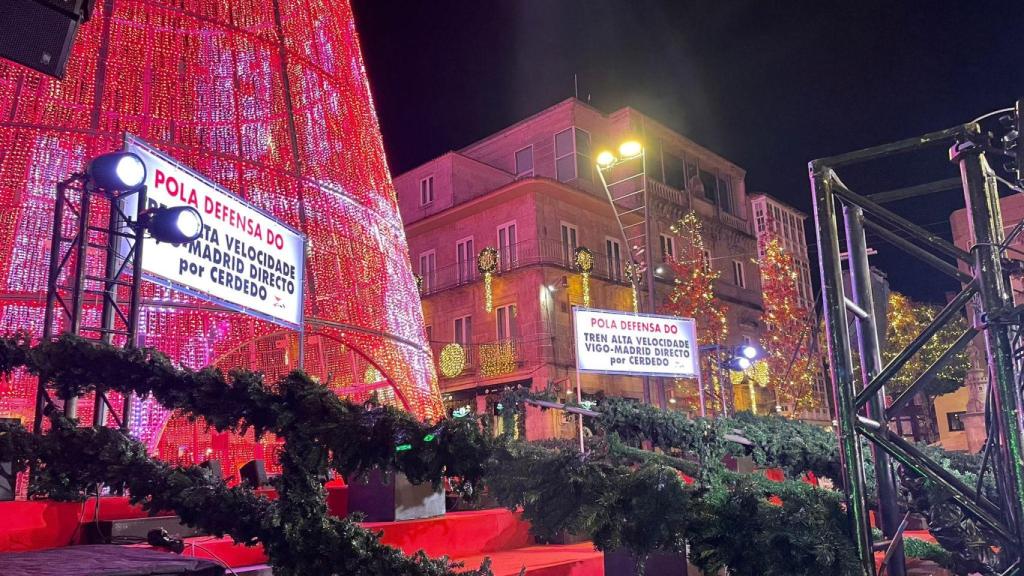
613	342
245	260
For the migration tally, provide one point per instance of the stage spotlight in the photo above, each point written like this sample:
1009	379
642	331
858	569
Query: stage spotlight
178	225
117	171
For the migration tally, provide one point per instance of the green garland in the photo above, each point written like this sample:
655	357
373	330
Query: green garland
320	431
621	496
637	503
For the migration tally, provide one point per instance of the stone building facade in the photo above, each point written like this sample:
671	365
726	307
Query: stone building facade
532	193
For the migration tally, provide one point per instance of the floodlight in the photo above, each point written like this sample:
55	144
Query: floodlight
748	352
117	171
177	225
605	159
630	148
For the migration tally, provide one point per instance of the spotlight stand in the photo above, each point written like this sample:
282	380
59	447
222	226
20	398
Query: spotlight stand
69	258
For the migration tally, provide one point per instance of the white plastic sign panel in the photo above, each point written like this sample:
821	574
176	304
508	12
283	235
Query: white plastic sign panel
245	260
613	342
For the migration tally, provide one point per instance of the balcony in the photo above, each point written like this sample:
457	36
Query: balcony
484	360
522	255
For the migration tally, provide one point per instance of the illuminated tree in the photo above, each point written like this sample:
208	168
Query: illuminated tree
907	319
793	365
693	295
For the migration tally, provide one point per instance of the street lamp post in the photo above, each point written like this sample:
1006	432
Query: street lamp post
727	359
634	202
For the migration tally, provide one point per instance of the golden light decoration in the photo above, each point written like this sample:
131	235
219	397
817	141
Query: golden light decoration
583	258
487	264
757	376
452	360
419	283
497	359
632	272
372	375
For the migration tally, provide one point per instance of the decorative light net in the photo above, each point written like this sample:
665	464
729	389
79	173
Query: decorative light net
270	99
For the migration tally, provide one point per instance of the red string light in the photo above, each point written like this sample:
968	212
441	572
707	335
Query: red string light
270	99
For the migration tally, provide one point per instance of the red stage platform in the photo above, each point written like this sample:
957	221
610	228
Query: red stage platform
466	537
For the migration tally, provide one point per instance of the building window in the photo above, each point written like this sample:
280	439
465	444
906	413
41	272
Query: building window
569	243
428	331
675	171
465	260
725	194
738	276
464	330
584	165
710	185
524	162
572	155
706	260
613	255
668	248
654	163
691	172
506	316
426	190
955	420
428	271
508	250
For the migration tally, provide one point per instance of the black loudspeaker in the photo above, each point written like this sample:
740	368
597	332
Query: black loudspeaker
39	33
254	473
7	476
214	467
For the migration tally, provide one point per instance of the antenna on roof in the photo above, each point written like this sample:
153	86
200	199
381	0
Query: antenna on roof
575	86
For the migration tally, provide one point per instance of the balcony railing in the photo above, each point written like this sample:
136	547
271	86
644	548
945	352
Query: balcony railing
488	359
523	254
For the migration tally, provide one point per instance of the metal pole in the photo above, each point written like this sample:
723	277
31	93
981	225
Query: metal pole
982	198
135	309
870	363
842	365
651	304
110	271
700	386
579	387
78	283
53	276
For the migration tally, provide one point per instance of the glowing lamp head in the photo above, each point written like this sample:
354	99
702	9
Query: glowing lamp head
742	363
117	171
630	148
748	352
177	225
605	159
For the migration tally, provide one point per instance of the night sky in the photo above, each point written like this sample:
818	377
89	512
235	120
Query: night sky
766	87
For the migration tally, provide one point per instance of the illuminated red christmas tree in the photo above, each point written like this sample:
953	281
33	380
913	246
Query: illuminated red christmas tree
786	342
271	101
693	296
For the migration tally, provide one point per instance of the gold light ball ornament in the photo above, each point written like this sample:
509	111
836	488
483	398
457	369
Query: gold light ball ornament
632	272
453	360
583	258
487	261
